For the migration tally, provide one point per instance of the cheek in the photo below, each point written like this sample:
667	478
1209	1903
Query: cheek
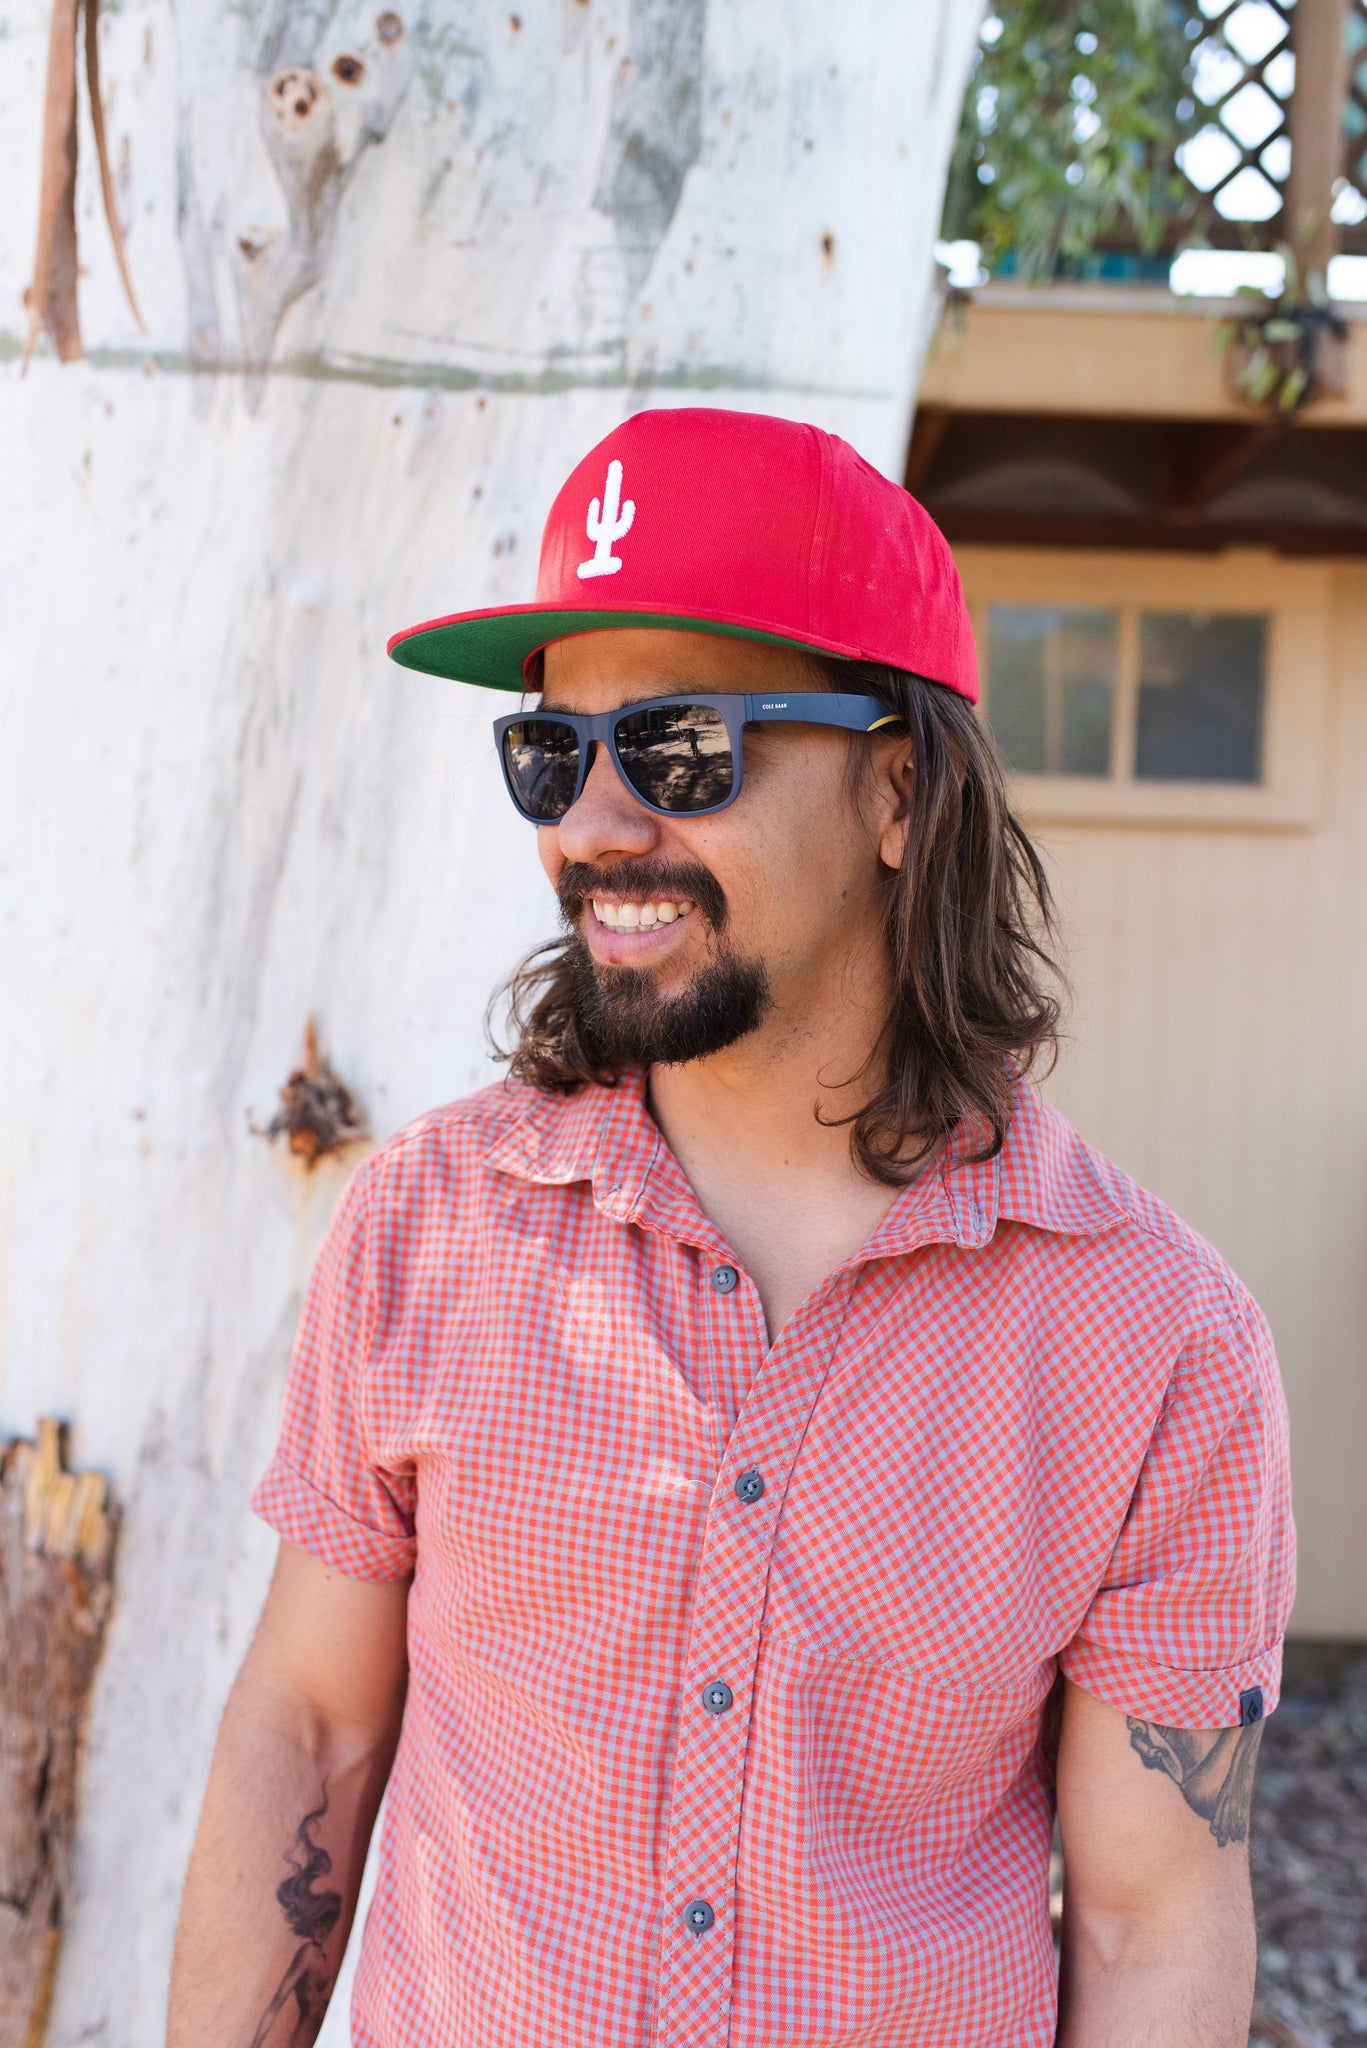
804	867
776	878
802	829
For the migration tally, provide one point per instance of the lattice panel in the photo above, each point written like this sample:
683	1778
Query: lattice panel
1242	74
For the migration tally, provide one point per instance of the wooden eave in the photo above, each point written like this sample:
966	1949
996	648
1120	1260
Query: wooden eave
1122	393
1119	352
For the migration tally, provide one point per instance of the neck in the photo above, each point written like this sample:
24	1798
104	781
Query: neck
773	1102
756	1130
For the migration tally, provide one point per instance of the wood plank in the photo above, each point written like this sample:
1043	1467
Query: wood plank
1119	355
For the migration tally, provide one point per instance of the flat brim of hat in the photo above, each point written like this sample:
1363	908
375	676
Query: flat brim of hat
493	648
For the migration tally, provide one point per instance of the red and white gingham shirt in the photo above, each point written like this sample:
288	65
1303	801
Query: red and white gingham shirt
757	1642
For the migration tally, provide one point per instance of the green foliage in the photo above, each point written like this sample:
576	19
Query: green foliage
1279	351
1073	113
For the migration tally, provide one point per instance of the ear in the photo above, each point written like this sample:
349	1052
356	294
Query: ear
892	778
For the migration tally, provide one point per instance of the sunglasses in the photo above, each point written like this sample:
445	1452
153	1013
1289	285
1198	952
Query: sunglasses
680	756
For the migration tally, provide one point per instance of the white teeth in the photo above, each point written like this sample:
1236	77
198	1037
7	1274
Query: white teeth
630	917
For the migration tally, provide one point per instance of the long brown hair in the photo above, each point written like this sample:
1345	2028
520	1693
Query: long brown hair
969	923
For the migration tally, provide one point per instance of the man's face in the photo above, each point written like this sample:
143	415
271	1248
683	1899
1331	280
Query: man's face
696	931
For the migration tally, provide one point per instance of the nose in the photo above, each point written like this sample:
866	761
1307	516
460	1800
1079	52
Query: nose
605	822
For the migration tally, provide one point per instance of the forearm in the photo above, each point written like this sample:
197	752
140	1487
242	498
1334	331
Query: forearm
1184	1983
274	1876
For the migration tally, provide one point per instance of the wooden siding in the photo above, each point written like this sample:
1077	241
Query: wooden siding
1218	1054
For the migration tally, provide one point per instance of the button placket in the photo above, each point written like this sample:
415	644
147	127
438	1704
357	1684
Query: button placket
736	1339
694	1982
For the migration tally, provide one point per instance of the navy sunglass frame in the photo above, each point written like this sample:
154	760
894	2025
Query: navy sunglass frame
798	707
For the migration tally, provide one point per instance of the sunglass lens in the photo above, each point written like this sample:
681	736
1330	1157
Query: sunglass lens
541	757
676	756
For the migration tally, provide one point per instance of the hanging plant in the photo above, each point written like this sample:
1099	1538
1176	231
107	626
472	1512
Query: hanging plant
1286	353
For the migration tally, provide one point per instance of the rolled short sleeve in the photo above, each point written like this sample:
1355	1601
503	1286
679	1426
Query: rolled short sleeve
1194	1604
324	1490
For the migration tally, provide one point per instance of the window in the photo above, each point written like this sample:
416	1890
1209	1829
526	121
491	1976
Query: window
1052	686
1127	687
1157	696
1201	688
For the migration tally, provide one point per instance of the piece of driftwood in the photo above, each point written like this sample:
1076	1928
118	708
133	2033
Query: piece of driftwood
56	1557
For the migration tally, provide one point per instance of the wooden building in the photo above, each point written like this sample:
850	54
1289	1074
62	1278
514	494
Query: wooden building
1170	591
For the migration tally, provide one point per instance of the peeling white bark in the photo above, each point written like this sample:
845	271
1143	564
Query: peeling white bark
221	810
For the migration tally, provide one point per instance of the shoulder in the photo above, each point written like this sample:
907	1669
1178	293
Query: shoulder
444	1152
428	1208
1123	1234
466	1128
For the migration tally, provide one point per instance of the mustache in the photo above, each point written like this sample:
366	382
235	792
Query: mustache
646	878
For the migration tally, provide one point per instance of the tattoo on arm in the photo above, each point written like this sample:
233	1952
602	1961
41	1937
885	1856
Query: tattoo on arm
1211	1767
311	1916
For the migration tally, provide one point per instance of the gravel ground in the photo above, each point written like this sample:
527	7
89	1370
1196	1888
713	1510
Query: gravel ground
1310	1854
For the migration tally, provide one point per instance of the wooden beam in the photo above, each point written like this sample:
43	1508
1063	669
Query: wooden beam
1320	40
1054	530
1108	353
1199	458
927	433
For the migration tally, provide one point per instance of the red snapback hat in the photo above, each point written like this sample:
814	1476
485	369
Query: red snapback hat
733	523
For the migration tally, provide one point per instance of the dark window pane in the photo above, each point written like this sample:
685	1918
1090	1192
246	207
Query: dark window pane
1202	680
1051	687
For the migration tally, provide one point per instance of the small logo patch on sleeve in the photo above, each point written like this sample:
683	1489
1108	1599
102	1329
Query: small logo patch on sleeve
1250	1706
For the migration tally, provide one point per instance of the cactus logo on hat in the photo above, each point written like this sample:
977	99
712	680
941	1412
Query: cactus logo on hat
739	524
608	525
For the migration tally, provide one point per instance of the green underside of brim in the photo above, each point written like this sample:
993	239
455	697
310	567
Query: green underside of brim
491	652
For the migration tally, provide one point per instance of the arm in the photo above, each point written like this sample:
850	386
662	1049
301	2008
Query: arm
1158	1937
303	1754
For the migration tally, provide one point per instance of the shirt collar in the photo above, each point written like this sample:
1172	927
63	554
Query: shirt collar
1044	1176
602	1135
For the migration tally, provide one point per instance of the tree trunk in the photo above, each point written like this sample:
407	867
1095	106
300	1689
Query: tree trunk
397	275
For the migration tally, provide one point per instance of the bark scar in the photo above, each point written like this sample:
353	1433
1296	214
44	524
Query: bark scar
51	298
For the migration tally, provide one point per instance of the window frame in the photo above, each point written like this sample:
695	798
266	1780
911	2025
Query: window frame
1294	598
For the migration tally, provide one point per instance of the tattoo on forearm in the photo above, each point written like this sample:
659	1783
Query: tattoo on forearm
311	1915
1211	1767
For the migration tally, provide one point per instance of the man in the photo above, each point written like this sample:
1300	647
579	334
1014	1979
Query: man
783	1464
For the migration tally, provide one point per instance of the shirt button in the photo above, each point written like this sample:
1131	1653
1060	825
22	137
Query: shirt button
698	1916
749	1487
725	1279
717	1697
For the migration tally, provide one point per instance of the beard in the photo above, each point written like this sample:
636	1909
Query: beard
620	1015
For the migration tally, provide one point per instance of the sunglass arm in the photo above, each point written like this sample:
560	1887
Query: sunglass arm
819	707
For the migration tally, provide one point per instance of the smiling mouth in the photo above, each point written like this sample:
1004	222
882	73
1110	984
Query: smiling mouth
617	916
